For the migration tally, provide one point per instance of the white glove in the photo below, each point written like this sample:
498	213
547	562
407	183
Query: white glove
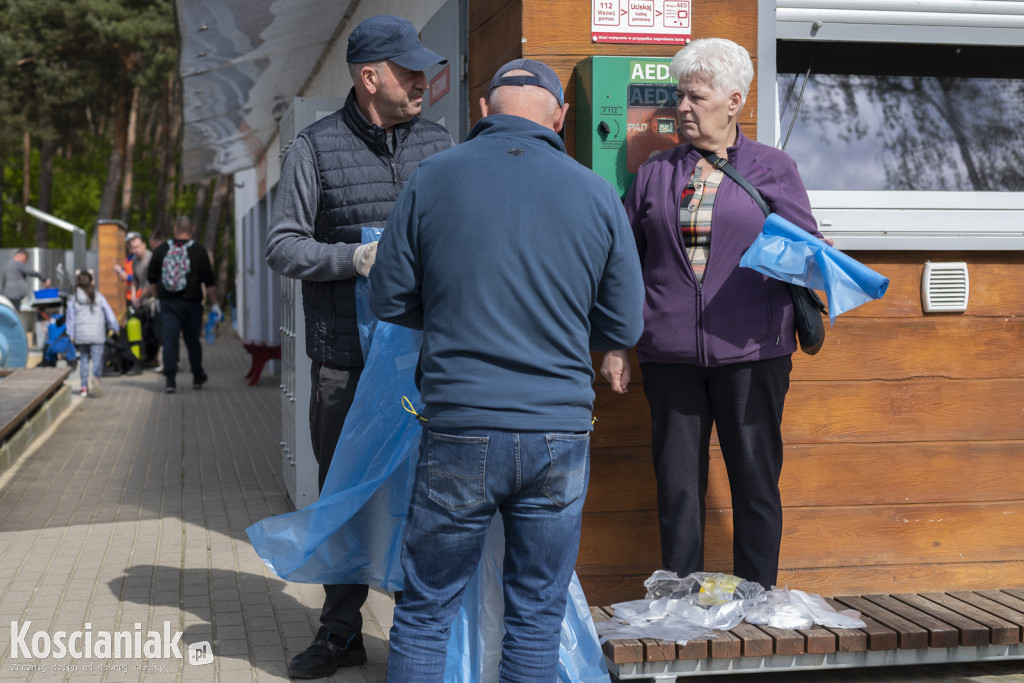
216	309
364	257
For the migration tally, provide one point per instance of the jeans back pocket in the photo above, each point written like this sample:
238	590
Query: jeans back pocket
456	468
566	479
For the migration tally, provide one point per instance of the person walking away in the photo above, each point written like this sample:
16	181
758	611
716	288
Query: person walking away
341	174
89	317
15	278
181	267
515	261
718	338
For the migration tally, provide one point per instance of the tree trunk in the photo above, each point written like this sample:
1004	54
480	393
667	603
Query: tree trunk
26	180
167	136
114	164
226	255
216	217
129	157
45	191
199	211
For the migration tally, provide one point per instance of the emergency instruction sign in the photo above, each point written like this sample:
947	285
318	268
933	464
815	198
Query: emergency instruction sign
659	22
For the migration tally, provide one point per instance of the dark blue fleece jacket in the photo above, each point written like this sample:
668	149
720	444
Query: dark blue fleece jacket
515	261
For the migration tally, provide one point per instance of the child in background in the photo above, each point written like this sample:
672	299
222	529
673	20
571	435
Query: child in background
89	317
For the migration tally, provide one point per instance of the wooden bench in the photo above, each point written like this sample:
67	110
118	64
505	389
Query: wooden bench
23	391
260	352
927	628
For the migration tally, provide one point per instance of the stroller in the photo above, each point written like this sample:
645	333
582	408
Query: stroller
58	345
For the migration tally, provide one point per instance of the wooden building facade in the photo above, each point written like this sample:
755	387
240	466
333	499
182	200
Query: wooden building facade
904	464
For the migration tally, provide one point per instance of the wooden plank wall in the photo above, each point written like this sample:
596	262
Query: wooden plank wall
557	32
904	467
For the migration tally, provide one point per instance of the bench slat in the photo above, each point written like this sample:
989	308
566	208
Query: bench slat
992	607
725	645
970	632
787	642
855	639
909	636
941	632
1015	592
998	631
658	650
692	649
755	642
1016	604
819	640
621	651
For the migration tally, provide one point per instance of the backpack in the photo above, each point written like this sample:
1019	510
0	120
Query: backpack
174	270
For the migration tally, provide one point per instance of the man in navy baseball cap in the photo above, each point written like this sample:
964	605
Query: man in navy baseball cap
386	60
536	73
340	174
390	38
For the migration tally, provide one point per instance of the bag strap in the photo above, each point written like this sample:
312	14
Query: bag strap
727	168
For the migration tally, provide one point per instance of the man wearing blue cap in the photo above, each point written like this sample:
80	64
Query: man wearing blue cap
342	173
527	266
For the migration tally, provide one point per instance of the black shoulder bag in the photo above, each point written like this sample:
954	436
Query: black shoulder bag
807	307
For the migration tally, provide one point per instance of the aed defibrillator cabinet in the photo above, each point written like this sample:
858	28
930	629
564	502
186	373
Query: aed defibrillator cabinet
626	113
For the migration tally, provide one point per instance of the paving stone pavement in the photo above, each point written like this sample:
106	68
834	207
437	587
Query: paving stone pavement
130	516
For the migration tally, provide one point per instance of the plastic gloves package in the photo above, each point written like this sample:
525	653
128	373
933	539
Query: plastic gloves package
353	532
787	253
692	607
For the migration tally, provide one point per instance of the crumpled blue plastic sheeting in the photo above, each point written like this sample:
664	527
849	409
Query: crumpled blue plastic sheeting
353	532
785	252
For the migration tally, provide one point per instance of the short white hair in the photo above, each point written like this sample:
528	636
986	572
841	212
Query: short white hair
726	64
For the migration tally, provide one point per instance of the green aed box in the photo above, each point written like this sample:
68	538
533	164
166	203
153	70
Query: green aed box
626	113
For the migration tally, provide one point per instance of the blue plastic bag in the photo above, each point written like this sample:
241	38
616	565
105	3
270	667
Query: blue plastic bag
212	319
353	533
787	253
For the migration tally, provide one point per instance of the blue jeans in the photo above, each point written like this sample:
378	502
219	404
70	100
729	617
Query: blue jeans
85	352
538	481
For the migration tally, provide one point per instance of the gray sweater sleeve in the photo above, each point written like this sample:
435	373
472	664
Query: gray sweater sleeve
292	250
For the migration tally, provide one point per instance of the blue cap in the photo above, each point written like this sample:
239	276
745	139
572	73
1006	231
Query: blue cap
542	76
385	37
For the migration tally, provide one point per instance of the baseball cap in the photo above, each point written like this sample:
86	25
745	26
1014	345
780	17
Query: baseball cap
387	37
132	235
542	75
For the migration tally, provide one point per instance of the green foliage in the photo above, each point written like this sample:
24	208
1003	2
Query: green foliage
65	66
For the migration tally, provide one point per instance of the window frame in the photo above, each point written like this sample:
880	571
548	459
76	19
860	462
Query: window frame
895	220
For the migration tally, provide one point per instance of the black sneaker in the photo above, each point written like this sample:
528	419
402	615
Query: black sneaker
169	388
325	656
198	382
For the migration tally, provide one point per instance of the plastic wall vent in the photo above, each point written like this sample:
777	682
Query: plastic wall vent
945	287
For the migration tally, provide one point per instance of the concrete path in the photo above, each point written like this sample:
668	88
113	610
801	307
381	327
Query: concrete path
131	517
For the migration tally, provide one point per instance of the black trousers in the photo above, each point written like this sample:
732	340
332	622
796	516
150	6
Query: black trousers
180	316
332	392
744	402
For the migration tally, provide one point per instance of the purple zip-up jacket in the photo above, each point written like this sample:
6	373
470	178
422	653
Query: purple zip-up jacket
737	314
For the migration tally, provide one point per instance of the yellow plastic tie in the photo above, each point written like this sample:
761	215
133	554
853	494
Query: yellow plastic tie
409	408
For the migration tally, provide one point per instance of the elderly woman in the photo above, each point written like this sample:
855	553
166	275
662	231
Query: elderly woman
718	339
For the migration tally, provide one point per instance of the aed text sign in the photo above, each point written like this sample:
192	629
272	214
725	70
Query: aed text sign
651	95
658	22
